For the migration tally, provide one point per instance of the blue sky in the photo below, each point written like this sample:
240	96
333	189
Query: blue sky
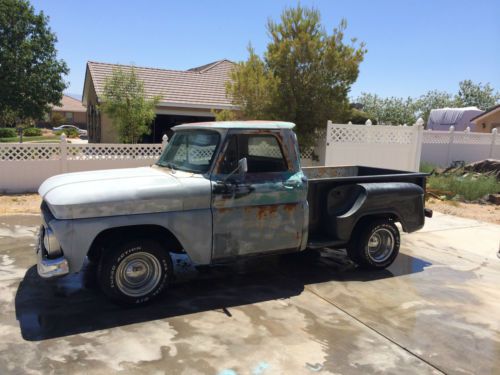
413	46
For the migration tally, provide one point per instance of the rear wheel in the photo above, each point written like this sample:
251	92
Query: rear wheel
135	272
375	244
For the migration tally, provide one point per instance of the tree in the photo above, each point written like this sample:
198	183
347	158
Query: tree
388	111
434	99
358	117
31	76
477	94
305	75
57	119
123	100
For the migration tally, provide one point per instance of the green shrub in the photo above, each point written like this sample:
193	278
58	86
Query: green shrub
8	133
70	133
32	132
427	167
469	188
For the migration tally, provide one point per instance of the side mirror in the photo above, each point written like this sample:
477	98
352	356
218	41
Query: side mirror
242	166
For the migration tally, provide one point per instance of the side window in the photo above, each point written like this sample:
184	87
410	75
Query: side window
264	154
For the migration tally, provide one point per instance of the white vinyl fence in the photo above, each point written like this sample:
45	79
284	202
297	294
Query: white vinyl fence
393	147
24	166
443	148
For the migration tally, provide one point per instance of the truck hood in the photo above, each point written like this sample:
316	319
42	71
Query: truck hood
120	192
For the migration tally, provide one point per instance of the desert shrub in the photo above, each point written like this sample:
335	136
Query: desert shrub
32	132
469	187
8	132
427	167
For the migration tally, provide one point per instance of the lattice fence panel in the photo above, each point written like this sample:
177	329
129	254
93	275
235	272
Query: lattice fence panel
307	153
433	137
264	149
29	151
472	138
113	151
195	153
370	134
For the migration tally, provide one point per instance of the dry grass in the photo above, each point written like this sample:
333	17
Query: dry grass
20	204
482	212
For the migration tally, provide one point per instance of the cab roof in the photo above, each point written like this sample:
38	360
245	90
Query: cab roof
261	124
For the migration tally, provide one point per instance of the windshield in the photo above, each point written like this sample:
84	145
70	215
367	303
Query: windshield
191	151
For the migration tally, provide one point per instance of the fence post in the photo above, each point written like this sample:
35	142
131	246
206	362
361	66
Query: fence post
321	147
64	153
419	126
164	141
494	133
450	143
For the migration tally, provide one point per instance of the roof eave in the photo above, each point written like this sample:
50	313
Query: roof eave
198	105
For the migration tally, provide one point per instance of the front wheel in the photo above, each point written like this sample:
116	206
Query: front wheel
375	244
135	272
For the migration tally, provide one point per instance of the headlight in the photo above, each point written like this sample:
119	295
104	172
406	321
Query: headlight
51	244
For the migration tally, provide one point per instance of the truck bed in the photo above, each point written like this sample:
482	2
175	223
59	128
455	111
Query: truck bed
333	190
357	173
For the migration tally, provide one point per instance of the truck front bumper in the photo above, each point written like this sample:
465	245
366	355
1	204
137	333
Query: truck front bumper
49	267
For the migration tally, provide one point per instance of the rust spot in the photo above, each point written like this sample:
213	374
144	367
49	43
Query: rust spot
290	208
263	211
223	210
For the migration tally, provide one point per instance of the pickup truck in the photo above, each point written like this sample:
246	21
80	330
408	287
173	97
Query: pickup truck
219	192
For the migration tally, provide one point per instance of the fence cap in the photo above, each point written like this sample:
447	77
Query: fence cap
420	122
368	122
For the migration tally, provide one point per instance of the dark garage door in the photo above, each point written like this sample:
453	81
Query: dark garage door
163	124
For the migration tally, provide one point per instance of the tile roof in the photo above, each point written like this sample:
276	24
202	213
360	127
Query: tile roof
69	104
203	86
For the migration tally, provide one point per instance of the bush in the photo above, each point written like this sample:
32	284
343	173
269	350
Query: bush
32	132
427	167
358	117
469	188
8	133
70	133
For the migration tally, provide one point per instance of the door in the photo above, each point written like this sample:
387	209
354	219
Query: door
263	210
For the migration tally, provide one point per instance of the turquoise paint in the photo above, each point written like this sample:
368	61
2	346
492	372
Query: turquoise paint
260	368
228	372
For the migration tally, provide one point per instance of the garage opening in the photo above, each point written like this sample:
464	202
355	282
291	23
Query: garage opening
163	125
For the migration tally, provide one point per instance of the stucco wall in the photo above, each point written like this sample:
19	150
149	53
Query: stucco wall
488	122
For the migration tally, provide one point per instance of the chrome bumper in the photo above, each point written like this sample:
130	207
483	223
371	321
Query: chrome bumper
46	267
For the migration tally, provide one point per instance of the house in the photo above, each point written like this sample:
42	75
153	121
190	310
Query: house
186	96
71	111
460	118
489	120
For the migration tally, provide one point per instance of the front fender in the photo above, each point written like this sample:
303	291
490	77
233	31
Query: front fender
193	229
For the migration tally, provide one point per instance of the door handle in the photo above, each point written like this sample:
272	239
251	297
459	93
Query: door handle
291	185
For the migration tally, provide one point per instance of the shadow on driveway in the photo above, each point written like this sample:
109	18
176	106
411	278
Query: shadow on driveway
73	304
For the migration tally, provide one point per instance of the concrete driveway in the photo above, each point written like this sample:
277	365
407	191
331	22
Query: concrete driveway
437	309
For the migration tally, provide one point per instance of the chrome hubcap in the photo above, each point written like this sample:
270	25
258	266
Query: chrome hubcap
138	274
381	245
